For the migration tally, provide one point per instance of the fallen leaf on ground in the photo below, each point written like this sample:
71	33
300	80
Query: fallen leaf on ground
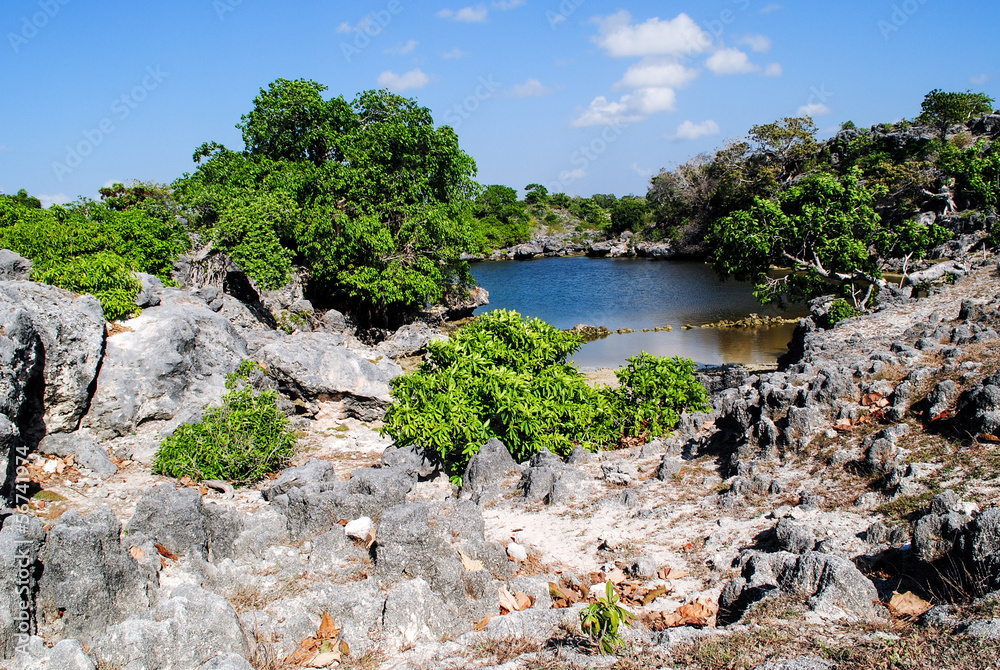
908	605
481	624
370	540
653	595
166	553
325	660
513	602
987	437
137	553
616	576
696	614
470	565
327	628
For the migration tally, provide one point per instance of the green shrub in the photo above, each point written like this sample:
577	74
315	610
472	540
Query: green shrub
839	310
601	620
89	248
241	441
653	393
506	376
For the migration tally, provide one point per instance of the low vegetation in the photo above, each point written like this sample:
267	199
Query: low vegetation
507	377
240	441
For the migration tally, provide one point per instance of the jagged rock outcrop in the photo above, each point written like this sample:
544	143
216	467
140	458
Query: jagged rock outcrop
20	542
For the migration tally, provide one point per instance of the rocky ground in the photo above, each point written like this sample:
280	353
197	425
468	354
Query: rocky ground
781	531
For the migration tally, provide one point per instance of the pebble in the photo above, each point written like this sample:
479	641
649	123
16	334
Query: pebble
359	528
517	552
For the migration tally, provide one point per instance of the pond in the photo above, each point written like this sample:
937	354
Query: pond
637	294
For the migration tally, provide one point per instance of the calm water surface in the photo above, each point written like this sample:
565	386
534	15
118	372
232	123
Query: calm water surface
636	294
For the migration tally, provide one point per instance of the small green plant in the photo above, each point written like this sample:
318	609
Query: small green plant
838	311
653	392
602	619
240	441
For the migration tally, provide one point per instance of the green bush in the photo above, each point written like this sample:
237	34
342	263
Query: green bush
89	248
506	376
241	441
601	620
839	310
653	393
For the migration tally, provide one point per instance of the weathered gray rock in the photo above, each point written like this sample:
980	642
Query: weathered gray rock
939	400
485	472
21	383
527	251
460	304
84	448
387	484
148	295
410	340
881	453
795	537
643	567
422	462
413	613
619	473
988	629
70	328
832	586
311	366
20	541
170	366
333	321
424	540
548	479
314	471
978	411
186	631
65	655
173	518
804	663
90	581
14	267
935	533
980	549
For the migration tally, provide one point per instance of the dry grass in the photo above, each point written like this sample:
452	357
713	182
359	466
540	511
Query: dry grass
504	650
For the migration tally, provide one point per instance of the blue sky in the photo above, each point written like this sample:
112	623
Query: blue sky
580	95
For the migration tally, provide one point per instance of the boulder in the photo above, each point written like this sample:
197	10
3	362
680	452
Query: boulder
548	479
169	366
413	613
84	448
227	662
424	463
980	549
14	267
20	541
21	360
978	410
70	328
186	631
312	366
148	295
314	471
172	518
65	655
935	534
333	321
485	472
795	537
832	586
460	304
410	340
90	581
527	251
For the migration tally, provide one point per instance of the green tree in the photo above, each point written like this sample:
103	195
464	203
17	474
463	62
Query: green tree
824	228
369	196
502	219
536	194
629	214
942	109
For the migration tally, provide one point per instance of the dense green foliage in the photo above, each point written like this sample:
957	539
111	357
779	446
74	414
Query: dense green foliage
503	220
943	109
368	195
90	248
838	311
505	376
833	213
601	620
628	214
241	441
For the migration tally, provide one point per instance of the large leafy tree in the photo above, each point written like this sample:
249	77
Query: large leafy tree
368	195
943	109
826	230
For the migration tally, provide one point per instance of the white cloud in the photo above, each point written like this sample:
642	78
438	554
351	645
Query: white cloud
641	171
529	89
773	70
57	199
345	27
508	4
979	80
730	61
475	14
758	43
770	8
689	130
621	39
397	83
629	108
403	49
813	109
454	54
657	72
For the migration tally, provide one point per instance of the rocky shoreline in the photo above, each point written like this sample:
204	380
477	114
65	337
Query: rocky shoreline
781	528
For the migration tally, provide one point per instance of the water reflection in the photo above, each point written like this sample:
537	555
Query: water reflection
637	294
